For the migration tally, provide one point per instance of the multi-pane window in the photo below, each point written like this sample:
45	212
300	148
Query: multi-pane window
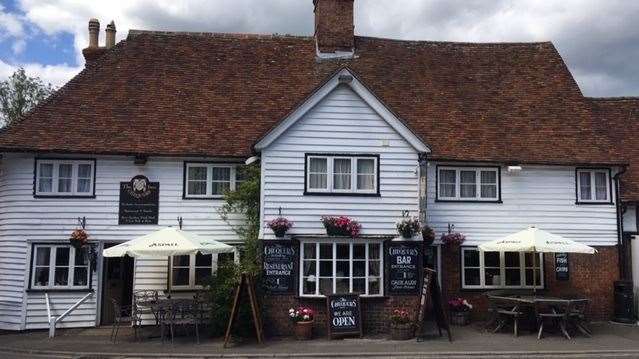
341	174
205	180
59	267
468	184
64	177
194	270
500	269
593	185
341	267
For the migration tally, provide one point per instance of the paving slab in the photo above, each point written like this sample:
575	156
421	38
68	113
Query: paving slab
609	340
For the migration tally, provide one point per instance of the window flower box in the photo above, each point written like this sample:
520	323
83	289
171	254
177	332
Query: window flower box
341	226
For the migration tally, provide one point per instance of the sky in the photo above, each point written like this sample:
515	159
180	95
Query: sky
598	39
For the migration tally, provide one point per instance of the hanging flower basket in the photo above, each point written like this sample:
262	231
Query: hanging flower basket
79	238
280	226
453	239
341	226
408	227
428	234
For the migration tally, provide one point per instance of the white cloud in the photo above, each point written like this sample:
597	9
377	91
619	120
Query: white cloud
598	39
57	75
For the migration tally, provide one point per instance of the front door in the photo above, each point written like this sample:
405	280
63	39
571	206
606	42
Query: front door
118	285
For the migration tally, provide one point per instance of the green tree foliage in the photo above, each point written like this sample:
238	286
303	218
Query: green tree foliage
19	94
244	203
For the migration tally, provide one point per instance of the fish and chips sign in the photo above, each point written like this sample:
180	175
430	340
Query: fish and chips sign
344	315
139	201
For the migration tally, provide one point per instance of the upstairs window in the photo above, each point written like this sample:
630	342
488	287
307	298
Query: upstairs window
468	183
207	180
342	174
72	178
593	186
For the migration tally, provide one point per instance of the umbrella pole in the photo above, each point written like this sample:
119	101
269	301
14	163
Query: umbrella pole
535	272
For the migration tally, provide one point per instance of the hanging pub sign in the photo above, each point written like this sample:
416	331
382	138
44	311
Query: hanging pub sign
344	315
404	261
561	266
139	201
279	260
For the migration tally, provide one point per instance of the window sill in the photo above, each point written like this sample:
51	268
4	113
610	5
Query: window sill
342	194
589	203
203	198
323	297
467	201
60	290
59	196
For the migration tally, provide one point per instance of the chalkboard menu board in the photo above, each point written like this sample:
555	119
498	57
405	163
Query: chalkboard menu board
279	260
139	201
404	267
561	266
344	315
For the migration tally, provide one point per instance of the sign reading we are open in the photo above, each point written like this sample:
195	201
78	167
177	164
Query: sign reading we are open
344	315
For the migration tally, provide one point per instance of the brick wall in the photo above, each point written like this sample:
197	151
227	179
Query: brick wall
334	28
590	275
375	313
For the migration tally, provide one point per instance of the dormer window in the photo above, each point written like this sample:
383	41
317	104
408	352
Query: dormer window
342	174
593	185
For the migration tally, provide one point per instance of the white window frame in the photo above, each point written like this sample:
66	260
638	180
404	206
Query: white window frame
478	171
192	266
52	258
330	161
55	177
593	188
334	243
209	179
502	271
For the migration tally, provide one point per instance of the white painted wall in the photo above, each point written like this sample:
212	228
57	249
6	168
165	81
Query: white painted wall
25	220
341	123
543	196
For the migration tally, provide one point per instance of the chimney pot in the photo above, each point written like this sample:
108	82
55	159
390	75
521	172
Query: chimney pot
94	33
110	35
334	26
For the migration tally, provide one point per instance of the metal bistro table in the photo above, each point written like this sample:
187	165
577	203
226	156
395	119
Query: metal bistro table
177	312
527	306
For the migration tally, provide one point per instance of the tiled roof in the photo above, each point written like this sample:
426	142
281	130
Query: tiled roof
202	94
619	118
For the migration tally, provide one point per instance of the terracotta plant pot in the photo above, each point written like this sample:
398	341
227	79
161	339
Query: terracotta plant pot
460	318
402	331
304	330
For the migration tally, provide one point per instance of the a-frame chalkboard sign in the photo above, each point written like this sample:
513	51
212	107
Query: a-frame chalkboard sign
246	281
344	315
431	297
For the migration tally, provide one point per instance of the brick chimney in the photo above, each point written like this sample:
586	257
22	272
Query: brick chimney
95	51
334	28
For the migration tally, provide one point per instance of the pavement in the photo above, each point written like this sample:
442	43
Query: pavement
608	341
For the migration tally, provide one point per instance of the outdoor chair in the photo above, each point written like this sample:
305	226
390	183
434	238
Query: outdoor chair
577	316
553	311
504	311
142	305
180	314
121	313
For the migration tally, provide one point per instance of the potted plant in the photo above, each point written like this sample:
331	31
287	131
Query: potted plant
408	227
341	226
280	226
79	238
428	234
453	239
401	327
459	311
303	319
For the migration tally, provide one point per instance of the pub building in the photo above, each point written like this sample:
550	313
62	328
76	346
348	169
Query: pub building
479	140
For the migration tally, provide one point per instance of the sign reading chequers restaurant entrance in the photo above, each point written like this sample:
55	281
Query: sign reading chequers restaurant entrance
278	266
139	201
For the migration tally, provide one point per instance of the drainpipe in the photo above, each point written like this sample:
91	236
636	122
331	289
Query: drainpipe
620	241
423	186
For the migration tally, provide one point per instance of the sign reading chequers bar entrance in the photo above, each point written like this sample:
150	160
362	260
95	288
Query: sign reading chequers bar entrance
404	267
139	201
344	315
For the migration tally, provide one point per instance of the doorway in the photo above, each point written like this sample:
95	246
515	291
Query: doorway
117	285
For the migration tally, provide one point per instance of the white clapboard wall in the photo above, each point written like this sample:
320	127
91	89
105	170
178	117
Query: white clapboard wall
341	123
25	220
543	196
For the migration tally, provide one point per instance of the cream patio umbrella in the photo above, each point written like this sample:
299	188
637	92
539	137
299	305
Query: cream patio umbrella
167	242
535	240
